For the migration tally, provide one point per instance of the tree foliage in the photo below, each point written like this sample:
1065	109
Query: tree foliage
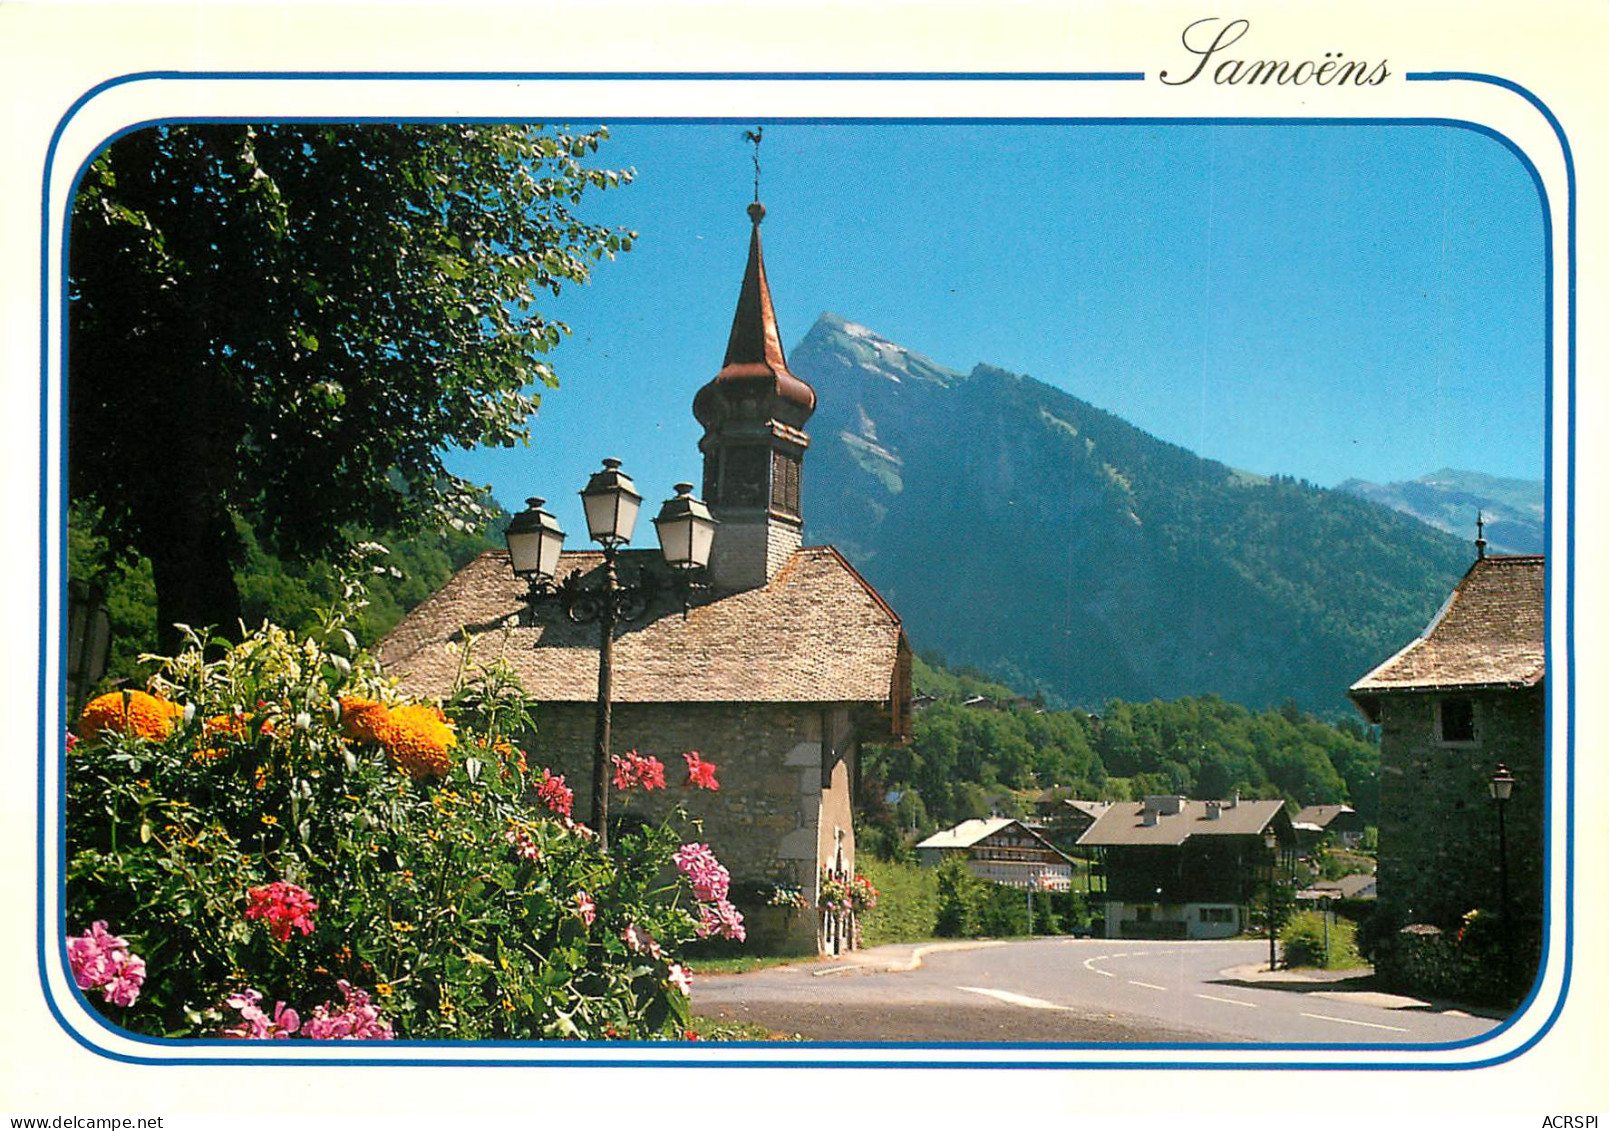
290	323
965	760
271	588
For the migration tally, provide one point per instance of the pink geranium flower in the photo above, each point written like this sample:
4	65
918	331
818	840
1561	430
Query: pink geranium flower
552	792
639	941
356	1019
638	769
284	906
520	837
700	774
680	979
709	877
720	918
101	960
585	908
256	1025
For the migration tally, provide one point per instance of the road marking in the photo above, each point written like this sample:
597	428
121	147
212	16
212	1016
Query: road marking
1346	1021
1015	999
1226	1000
1147	985
1093	970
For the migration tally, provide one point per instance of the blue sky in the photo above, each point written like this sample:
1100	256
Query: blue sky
1318	301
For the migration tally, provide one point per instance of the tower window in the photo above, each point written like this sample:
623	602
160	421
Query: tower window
784	483
1455	720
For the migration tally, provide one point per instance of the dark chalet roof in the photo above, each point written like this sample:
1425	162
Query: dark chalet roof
817	633
1124	824
1489	634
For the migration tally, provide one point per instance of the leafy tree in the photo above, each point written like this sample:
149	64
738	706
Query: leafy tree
289	323
965	760
272	589
960	900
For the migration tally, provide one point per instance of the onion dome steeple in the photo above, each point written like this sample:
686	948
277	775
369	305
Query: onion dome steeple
755	365
753	414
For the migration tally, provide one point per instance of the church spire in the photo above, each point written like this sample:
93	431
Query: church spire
753	414
754	347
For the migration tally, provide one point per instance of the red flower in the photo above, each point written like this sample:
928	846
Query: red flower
700	774
284	906
638	769
552	792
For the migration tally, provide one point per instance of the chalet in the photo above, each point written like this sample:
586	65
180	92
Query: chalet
791	662
1064	819
1001	850
1182	869
1464	696
1315	822
1359	885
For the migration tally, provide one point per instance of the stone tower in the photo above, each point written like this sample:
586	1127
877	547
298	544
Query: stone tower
753	414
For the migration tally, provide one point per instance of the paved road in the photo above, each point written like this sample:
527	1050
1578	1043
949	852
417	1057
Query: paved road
1077	990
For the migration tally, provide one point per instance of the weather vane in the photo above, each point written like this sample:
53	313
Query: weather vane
754	136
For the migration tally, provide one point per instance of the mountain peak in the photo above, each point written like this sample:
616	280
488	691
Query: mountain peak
1094	560
869	355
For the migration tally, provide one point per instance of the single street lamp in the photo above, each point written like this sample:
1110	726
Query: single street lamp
1501	787
1271	842
686	534
611	503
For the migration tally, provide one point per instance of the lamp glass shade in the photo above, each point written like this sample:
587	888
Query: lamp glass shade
611	502
686	530
1502	783
534	540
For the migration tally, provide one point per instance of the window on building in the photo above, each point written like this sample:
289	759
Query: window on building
1455	720
1216	915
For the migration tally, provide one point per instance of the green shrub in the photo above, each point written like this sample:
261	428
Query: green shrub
950	902
1003	911
251	836
960	900
1303	936
908	906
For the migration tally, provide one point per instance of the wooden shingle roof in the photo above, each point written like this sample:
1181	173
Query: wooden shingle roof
1320	816
817	633
1124	823
1489	634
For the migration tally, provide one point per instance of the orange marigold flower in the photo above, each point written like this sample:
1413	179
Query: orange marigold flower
363	718
129	712
418	738
219	726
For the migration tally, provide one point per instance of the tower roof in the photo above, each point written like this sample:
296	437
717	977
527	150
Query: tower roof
1490	633
755	364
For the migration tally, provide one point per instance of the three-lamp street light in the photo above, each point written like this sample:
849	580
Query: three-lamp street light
610	499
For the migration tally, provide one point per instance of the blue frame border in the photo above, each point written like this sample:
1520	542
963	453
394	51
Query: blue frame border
45	682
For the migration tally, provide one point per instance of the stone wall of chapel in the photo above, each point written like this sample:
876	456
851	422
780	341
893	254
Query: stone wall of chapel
765	823
1438	823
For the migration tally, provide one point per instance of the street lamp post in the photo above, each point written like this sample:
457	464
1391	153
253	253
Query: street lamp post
611	503
1501	787
1033	878
1271	842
